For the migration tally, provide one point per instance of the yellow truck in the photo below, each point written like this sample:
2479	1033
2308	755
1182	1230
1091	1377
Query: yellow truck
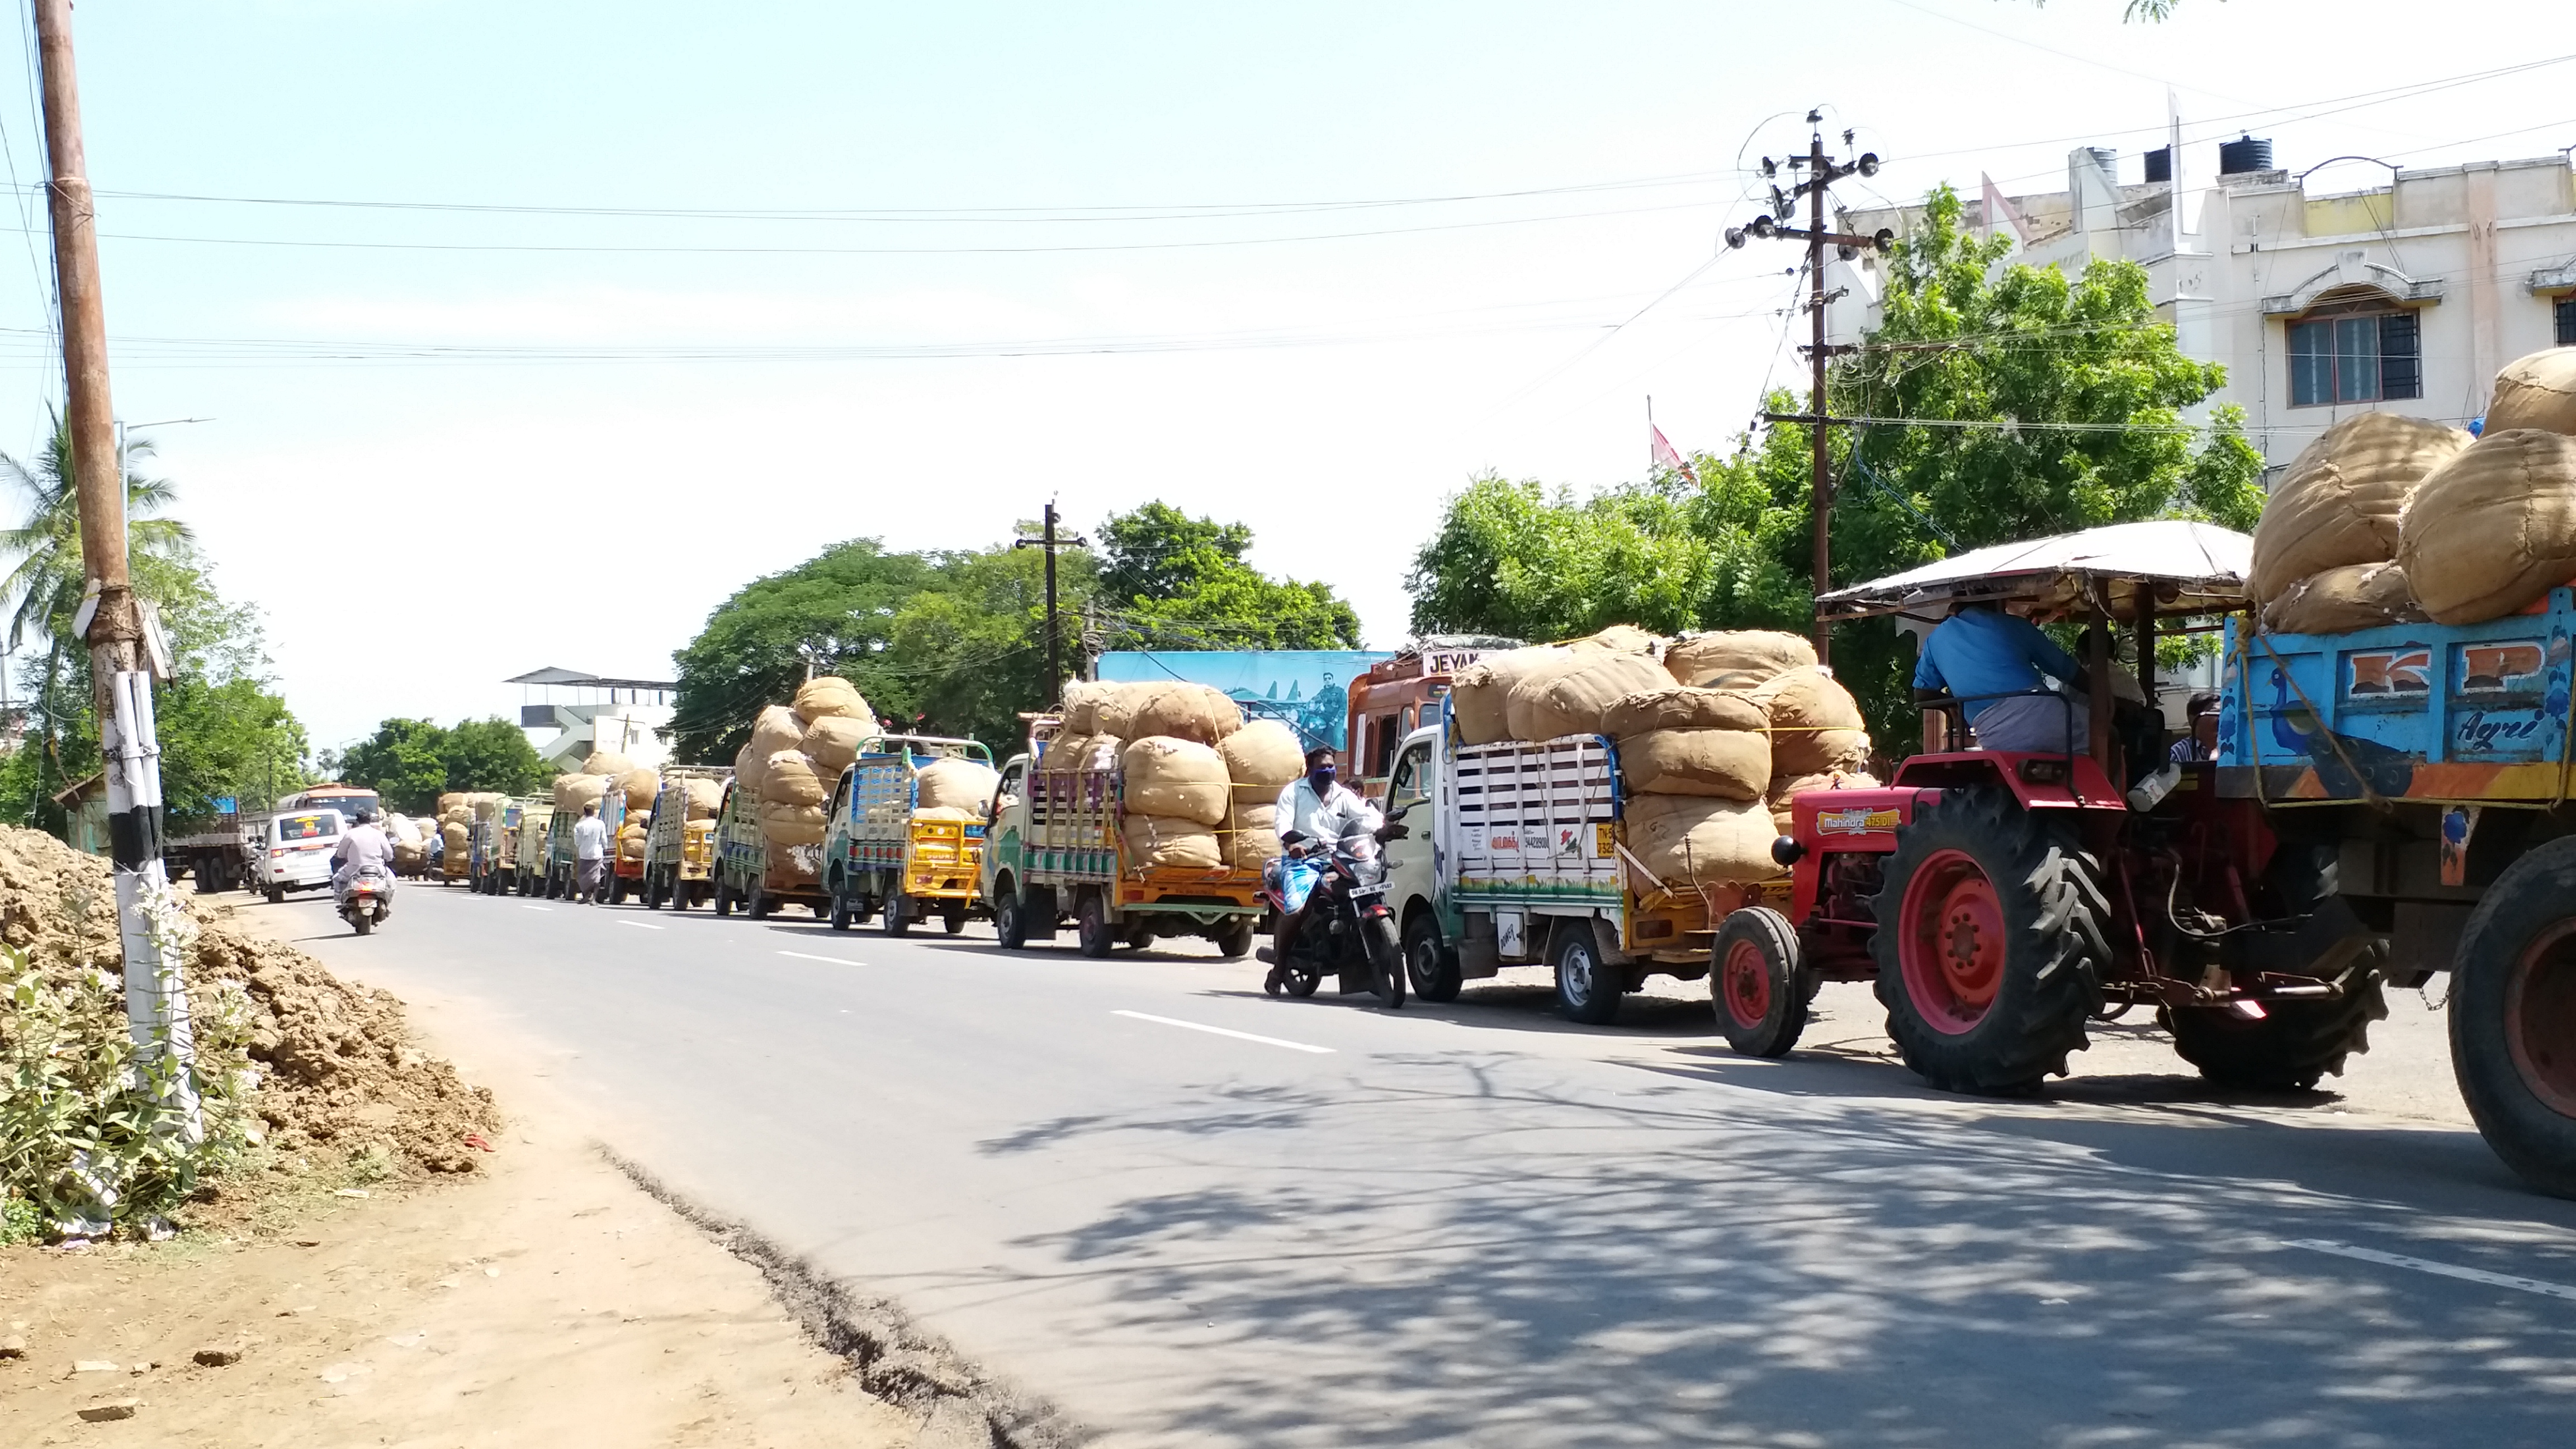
884	856
680	853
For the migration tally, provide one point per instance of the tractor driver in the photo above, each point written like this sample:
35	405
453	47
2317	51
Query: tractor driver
1982	651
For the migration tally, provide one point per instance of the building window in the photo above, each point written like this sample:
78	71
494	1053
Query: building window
2352	358
2567	321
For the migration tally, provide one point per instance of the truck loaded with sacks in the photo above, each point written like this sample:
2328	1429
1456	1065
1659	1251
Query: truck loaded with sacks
2399	711
1598	807
771	823
906	837
1138	810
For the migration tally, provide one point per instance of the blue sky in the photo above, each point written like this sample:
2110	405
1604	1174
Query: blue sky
1094	263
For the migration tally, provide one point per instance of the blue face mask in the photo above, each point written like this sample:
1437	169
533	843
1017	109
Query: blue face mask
1321	778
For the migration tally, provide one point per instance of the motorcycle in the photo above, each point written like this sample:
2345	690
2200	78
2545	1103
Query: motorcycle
1348	924
366	899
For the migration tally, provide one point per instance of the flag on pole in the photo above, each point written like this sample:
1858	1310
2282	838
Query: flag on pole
1666	457
1998	207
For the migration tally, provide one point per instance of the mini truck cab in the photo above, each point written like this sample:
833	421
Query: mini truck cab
2001	900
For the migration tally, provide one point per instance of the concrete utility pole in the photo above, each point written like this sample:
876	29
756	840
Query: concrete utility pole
1049	540
156	1004
1822	172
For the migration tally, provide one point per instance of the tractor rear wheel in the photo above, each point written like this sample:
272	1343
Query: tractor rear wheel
2291	1046
1755	984
2513	1016
1990	944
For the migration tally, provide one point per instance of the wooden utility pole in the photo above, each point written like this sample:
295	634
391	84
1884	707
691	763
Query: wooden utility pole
1822	172
1051	541
156	1006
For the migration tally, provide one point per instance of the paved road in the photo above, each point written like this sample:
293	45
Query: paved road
1193	1215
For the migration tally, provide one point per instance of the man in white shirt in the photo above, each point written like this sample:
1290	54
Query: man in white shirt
1315	806
363	848
590	853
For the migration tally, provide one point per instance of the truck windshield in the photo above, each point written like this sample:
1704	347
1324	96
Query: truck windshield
321	825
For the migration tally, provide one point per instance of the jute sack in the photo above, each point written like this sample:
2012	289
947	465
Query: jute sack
1255	839
1784	786
487	804
1072	755
1480	695
705	797
1815	723
2538	391
1260	759
1728	654
1167	843
454	835
2339	601
776	728
1619	639
1679	707
450	801
957	784
1726	764
1181	779
402	829
2495	529
461	815
606	762
1704	841
787	778
1088	703
641	786
832	742
830	696
1185	712
572	792
747	763
1569	699
2339	500
783	823
947	812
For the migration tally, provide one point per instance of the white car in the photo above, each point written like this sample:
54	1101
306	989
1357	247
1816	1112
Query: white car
295	854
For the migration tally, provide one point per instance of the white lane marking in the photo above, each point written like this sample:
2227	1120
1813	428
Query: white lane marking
833	960
1294	1046
2446	1270
640	925
523	905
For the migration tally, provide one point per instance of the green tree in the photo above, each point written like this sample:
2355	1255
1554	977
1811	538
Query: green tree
1170	581
493	754
972	652
404	761
2016	402
1158	552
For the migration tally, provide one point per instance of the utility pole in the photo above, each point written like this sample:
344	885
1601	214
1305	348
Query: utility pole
156	1005
1822	172
1049	540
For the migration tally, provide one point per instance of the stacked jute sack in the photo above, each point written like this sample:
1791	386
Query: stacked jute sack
794	757
411	843
1712	740
1200	783
457	812
2385	519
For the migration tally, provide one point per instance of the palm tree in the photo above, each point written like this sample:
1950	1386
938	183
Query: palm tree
47	579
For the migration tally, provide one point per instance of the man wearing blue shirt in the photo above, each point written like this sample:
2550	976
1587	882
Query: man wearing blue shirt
1981	650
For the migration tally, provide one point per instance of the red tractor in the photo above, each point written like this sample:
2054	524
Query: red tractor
2002	901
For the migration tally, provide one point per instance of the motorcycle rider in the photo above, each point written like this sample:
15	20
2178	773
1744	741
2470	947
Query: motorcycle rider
1314	806
363	847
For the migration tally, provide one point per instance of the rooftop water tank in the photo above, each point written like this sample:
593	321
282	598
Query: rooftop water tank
2244	154
2159	166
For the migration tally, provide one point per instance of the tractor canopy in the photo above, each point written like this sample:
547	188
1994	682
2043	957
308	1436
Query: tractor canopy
2184	567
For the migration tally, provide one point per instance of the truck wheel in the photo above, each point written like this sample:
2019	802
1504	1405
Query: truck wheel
757	904
1989	945
840	916
2291	1046
724	900
277	895
1235	941
1586	990
1429	961
1755	984
2513	1016
1091	932
1010	919
898	918
679	891
953	920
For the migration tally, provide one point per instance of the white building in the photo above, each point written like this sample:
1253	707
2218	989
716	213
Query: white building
2406	297
629	716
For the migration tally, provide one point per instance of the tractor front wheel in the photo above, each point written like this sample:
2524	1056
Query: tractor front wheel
1990	944
2513	1016
1755	984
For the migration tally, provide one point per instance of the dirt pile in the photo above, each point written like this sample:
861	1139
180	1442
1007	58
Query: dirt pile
338	1068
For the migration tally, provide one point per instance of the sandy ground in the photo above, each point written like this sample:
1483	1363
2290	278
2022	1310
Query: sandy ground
548	1302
